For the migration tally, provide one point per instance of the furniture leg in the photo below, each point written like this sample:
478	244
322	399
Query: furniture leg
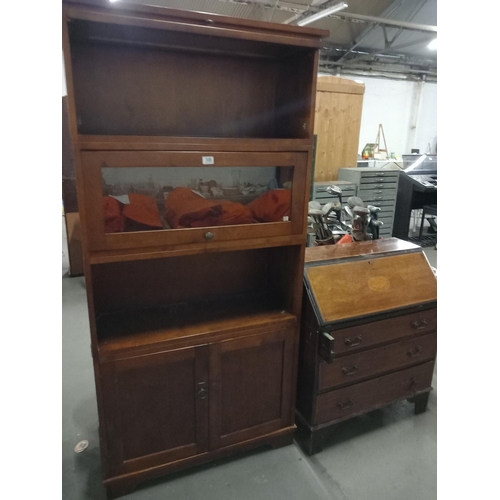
421	403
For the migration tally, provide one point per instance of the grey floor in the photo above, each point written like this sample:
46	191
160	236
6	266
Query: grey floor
389	454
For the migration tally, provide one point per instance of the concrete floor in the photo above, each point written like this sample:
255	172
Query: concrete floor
388	454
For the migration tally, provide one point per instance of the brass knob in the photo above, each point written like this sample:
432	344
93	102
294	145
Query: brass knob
209	236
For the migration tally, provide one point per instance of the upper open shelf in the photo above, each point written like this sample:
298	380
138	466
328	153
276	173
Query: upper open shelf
137	81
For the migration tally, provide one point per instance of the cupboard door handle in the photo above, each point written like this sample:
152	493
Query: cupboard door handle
414	351
202	392
351	370
344	405
353	342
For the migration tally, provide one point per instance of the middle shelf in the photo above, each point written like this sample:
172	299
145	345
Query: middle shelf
143	305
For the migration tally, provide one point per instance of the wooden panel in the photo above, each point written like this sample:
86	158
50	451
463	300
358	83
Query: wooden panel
153	414
378	284
360	337
348	369
197	24
126	255
337	126
193	18
178	279
359	398
252	387
164	143
346	87
75	250
332	252
123	90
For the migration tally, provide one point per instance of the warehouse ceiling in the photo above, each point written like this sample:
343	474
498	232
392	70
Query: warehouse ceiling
383	38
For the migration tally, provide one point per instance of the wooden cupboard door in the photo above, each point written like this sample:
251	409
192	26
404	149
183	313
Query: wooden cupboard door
156	408
251	387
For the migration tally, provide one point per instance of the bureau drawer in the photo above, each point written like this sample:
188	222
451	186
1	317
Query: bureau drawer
347	369
362	397
378	332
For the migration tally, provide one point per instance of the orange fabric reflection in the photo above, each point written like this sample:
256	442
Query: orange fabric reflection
272	206
142	209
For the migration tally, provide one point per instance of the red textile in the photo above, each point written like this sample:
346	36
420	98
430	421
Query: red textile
272	206
234	213
142	209
347	238
114	221
183	208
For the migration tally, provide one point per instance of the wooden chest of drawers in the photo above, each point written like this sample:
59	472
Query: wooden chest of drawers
368	333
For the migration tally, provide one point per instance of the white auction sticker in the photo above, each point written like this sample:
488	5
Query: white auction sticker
207	160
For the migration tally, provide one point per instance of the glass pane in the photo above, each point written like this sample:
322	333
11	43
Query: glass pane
157	198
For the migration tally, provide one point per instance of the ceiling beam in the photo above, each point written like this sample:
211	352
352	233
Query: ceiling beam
426	28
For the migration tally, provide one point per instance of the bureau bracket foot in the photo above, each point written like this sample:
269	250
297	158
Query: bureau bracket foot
421	403
312	441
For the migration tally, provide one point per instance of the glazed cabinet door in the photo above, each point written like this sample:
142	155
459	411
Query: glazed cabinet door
156	408
251	387
140	199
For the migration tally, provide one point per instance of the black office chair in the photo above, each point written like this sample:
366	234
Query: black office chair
427	210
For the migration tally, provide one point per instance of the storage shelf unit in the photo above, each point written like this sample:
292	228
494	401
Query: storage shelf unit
193	137
377	187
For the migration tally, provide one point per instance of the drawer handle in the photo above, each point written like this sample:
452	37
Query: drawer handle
419	325
413	384
202	392
209	236
344	405
350	370
415	351
353	342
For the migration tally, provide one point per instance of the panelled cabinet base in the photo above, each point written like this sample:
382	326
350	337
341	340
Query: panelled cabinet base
368	334
127	483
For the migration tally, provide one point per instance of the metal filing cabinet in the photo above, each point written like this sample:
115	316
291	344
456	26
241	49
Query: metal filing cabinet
320	193
376	186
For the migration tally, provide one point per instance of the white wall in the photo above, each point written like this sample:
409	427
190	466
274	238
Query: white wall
397	106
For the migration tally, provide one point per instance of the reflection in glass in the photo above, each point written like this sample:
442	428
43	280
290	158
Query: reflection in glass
153	198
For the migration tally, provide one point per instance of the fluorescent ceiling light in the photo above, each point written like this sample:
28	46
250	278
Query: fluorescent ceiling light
322	13
433	45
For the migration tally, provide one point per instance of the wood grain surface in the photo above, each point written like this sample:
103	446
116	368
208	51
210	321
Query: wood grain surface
353	289
339	104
